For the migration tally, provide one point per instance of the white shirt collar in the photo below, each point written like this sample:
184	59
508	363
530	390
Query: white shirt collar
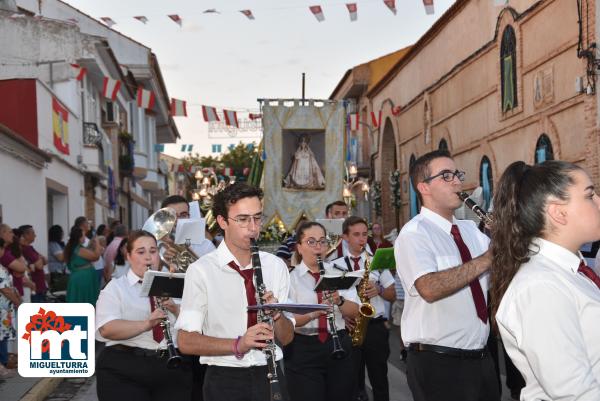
224	257
437	219
132	278
556	253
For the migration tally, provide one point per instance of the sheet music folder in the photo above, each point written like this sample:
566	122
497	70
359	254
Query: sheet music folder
162	284
383	259
332	282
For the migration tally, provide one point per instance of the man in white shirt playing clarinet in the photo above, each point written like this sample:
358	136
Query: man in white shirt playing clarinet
443	264
214	322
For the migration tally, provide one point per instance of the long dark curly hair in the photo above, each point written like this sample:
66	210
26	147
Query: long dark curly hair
519	216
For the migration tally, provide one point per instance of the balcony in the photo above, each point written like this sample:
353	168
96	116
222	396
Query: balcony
93	152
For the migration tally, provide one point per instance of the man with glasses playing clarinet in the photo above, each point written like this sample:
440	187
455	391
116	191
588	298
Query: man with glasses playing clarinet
214	322
443	265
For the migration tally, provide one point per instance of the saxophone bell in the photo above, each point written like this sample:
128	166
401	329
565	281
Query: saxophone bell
366	311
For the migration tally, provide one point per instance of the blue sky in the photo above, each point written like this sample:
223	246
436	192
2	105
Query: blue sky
228	61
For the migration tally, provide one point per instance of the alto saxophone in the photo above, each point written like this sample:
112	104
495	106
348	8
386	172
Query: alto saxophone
365	310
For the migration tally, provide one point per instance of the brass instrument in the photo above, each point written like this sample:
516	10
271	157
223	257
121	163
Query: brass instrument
162	225
334	241
366	311
482	214
270	349
338	351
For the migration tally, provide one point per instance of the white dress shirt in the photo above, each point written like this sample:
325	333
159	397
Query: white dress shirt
425	246
383	278
121	300
302	291
214	301
549	320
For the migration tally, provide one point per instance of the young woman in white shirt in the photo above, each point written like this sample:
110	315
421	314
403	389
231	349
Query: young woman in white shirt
545	300
311	372
131	367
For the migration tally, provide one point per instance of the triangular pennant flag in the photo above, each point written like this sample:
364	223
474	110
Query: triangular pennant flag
247	13
178	108
210	114
318	13
176	18
428	6
376	119
79	71
111	88
211	11
352	9
254	116
231	118
108	21
141	18
353	121
391	4
145	98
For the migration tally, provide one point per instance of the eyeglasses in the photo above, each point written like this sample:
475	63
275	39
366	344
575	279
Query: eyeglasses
447	176
244	220
313	242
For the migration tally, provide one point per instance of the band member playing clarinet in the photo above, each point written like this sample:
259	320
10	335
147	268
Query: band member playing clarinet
130	367
312	371
443	264
545	299
214	322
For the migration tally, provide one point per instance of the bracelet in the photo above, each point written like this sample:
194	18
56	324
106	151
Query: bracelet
236	352
342	300
380	289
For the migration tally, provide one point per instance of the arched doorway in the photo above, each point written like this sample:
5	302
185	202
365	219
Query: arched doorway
389	163
543	149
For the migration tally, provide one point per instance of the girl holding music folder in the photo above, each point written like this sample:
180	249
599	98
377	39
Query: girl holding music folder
311	372
131	366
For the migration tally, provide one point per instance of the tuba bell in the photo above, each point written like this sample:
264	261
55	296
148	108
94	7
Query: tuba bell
162	225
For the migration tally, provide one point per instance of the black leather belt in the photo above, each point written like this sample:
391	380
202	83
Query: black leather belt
148	353
456	352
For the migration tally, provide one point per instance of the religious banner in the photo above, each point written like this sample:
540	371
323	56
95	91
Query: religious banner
60	127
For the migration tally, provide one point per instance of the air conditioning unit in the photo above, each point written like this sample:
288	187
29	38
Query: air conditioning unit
112	113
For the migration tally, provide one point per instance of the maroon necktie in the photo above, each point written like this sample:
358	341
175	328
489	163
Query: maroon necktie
323	333
356	263
589	273
157	332
476	290
250	290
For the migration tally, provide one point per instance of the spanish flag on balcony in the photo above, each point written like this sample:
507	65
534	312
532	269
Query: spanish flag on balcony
60	127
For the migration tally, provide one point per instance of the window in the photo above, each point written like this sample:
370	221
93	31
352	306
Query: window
216	148
486	182
231	146
414	199
443	145
543	149
508	69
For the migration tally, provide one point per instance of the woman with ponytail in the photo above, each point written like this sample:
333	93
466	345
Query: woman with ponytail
545	301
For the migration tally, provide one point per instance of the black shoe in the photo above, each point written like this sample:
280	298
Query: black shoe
403	355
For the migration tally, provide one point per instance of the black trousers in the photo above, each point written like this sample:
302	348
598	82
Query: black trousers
198	372
124	375
240	384
373	355
439	377
312	374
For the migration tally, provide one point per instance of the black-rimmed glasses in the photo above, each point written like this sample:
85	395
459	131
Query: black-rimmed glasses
244	220
447	176
313	242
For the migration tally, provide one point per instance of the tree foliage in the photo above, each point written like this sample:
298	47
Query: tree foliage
238	158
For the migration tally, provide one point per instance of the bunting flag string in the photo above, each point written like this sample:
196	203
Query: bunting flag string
231	118
318	13
176	19
353	121
79	71
210	114
391	4
178	107
376	119
428	7
254	116
111	88
353	11
108	21
249	14
145	98
141	18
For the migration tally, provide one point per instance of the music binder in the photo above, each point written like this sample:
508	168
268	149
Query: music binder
162	284
333	282
383	259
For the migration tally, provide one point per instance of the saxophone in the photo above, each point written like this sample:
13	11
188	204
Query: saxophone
365	310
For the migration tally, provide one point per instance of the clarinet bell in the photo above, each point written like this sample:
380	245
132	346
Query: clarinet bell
338	351
174	362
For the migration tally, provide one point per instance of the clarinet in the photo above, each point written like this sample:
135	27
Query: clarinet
482	214
269	350
338	351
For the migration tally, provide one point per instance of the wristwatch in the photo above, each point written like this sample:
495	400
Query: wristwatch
342	300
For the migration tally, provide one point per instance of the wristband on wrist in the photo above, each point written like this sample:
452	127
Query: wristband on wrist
380	289
342	300
236	351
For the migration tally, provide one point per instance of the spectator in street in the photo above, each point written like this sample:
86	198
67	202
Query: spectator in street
121	263
120	232
9	301
99	264
35	261
84	224
56	258
110	235
83	282
377	240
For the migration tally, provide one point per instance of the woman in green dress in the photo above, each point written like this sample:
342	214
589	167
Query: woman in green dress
83	282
